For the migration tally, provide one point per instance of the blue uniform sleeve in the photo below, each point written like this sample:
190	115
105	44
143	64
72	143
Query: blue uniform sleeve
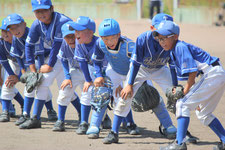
133	73
185	59
174	76
32	39
84	68
29	53
53	53
98	69
8	68
20	62
137	54
66	68
41	59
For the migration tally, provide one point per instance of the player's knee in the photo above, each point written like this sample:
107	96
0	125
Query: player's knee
205	119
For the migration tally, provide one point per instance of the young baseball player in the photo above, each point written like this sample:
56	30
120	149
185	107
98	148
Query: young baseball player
17	26
117	49
201	96
73	76
85	45
47	30
8	91
152	60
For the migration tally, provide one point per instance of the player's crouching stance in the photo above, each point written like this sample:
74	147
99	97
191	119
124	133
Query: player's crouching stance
117	50
85	45
18	28
202	96
46	29
11	73
73	76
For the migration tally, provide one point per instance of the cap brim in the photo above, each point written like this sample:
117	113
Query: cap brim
41	7
161	32
68	32
77	26
13	22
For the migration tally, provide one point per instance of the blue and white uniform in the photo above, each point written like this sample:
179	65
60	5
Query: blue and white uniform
148	62
50	38
206	93
71	71
83	54
12	68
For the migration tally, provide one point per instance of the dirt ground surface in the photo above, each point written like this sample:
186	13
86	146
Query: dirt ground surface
209	38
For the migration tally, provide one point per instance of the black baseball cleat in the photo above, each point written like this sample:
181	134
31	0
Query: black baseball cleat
52	115
190	138
82	129
4	117
59	126
31	123
111	138
175	146
132	129
22	119
106	123
220	146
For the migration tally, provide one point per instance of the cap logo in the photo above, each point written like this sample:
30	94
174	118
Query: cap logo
68	26
106	25
165	17
39	2
9	18
161	25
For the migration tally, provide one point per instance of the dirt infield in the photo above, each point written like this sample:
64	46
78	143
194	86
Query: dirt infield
211	39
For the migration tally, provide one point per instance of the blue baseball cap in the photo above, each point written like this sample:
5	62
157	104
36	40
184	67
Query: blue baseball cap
4	24
109	27
167	28
157	19
66	29
83	23
41	4
14	19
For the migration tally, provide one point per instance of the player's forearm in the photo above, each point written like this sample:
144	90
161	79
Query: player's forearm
133	73
20	62
84	68
98	69
53	53
29	53
8	68
190	82
41	59
174	76
66	69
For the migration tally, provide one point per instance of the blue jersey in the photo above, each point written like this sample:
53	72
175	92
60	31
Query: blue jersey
5	55
50	37
115	57
66	53
188	58
5	51
18	49
83	52
149	53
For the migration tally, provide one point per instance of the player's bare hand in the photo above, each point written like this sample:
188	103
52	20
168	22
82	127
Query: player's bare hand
127	92
118	90
11	81
45	68
86	86
99	81
66	83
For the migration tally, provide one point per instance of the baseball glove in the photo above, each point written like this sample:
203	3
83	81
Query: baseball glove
146	98
101	96
173	94
31	80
